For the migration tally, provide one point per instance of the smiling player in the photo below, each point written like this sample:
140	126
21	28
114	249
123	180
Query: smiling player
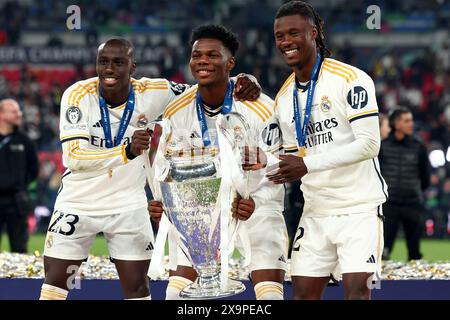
328	116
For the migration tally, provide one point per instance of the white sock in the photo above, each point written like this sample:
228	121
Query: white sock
176	284
49	292
269	290
149	297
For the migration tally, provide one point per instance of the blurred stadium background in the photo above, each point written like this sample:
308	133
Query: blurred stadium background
408	58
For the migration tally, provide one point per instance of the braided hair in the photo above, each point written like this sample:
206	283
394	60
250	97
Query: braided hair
307	11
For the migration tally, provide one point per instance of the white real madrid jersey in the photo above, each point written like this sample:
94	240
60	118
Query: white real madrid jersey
187	133
342	143
98	180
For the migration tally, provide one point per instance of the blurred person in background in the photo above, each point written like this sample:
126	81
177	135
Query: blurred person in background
405	166
18	167
385	129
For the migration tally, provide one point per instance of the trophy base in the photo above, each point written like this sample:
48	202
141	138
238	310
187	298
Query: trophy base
195	292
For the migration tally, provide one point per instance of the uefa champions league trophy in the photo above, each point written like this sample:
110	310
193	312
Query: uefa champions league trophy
190	194
235	129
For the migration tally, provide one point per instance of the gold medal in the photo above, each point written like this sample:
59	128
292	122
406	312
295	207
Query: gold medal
301	151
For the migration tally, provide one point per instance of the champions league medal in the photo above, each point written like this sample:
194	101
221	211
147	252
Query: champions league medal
301	151
302	130
124	122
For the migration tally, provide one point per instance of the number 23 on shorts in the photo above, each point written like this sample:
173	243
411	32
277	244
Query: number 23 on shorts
64	223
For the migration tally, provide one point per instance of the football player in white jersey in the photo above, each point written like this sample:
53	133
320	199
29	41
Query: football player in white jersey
212	59
328	116
102	189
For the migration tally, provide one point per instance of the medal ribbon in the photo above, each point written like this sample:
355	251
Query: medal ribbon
226	108
126	117
302	131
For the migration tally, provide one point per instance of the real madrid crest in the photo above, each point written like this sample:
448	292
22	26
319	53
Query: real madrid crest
49	241
238	133
325	105
73	114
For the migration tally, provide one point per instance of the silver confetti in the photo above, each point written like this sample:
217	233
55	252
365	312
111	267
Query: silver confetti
15	265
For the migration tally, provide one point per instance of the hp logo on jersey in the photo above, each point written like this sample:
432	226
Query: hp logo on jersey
357	97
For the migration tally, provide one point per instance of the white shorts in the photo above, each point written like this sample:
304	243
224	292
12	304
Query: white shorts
337	245
129	235
269	243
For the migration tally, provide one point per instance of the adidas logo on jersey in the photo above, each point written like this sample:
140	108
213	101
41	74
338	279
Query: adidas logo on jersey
194	134
149	247
178	88
333	282
98	124
371	259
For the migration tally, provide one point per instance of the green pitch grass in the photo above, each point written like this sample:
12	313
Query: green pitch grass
432	250
36	243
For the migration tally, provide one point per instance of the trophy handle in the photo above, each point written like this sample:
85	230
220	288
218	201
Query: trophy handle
223	124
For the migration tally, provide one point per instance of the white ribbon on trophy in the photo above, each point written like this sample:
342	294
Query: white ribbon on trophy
234	177
159	169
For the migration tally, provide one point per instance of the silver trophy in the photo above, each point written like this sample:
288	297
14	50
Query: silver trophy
190	194
235	128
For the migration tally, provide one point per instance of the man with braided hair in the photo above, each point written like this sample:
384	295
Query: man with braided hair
328	116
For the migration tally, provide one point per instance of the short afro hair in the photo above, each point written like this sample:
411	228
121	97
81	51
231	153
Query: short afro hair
218	32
